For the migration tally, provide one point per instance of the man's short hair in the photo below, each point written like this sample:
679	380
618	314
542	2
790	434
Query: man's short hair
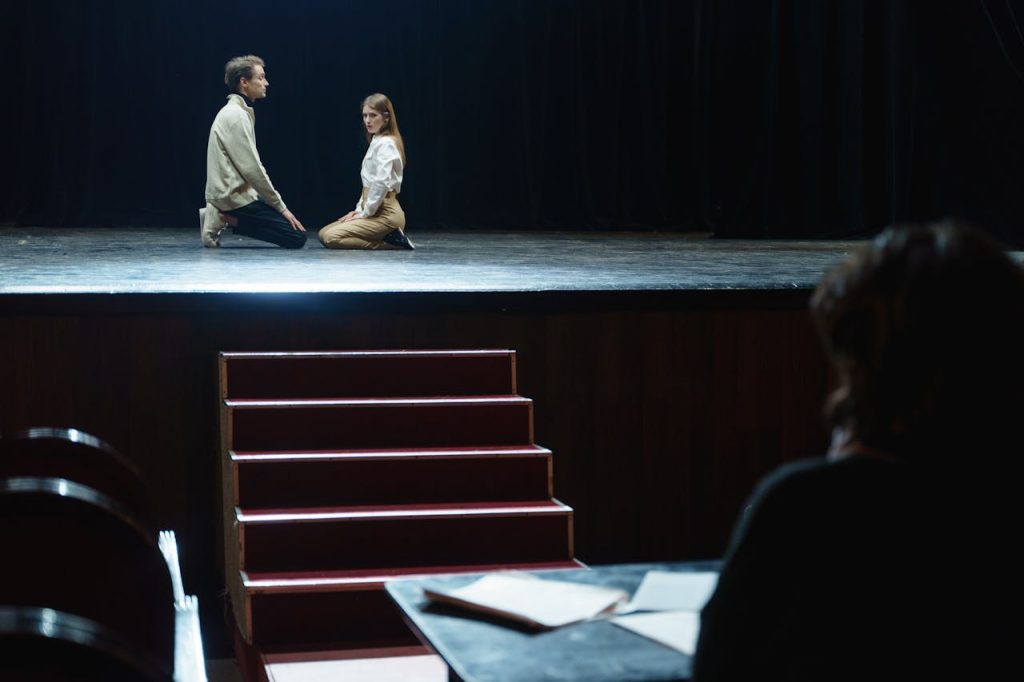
239	68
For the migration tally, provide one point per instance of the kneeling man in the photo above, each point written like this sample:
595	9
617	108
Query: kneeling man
238	190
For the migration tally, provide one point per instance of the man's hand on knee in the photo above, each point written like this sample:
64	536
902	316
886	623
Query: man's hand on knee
296	225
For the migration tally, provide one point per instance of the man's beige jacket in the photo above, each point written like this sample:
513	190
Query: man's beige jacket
235	176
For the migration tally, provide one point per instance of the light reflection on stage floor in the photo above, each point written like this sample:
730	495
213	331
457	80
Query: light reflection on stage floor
155	260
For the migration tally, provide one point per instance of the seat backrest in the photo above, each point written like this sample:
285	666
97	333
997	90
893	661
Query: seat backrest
70	548
75	456
45	645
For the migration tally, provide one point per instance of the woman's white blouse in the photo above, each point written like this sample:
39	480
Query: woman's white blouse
381	173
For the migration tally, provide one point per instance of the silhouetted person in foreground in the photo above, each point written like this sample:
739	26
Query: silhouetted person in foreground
894	558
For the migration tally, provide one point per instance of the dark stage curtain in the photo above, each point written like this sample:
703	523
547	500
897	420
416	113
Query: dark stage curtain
819	119
517	114
775	118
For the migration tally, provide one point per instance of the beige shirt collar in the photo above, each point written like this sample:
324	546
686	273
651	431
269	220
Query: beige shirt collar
240	101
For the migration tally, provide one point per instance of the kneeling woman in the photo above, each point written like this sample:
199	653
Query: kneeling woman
378	221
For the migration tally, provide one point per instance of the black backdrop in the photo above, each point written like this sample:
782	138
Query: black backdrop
836	118
748	117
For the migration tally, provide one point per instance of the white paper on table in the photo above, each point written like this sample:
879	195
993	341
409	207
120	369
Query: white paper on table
672	591
540	603
676	629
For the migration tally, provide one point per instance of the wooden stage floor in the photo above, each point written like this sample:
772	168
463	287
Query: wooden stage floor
171	261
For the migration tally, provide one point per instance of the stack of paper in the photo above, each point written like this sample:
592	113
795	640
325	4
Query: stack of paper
533	601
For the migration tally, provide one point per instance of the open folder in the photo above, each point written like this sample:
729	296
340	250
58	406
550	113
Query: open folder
535	602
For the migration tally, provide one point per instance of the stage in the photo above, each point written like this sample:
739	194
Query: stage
166	261
668	372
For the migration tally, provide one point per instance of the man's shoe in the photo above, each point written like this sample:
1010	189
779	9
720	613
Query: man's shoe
210	226
398	239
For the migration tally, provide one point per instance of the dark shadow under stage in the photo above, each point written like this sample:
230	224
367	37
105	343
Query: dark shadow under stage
668	372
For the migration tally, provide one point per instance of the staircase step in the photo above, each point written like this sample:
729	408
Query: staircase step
293	582
264	663
350	424
366	665
321	479
367	373
407	535
302	608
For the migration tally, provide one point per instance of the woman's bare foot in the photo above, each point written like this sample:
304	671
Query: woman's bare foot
229	219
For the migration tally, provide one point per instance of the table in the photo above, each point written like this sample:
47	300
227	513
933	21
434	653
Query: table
480	649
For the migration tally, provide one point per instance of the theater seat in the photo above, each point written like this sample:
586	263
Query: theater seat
76	456
46	645
72	549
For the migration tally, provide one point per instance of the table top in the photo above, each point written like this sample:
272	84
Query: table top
482	649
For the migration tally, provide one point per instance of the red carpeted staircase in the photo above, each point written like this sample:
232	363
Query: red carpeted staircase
342	470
